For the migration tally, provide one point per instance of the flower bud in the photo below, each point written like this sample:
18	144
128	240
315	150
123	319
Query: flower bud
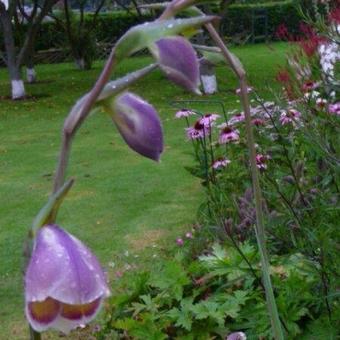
178	60
138	123
64	283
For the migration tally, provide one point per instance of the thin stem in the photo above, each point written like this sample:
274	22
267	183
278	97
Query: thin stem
260	230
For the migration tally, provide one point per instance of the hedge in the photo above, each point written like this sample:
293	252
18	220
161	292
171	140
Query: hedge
238	20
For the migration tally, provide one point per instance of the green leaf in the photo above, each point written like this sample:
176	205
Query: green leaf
144	35
171	277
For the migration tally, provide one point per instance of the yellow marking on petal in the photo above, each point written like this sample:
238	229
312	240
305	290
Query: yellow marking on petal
44	311
76	312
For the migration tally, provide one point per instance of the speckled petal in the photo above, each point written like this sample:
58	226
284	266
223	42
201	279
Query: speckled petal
63	268
178	60
139	125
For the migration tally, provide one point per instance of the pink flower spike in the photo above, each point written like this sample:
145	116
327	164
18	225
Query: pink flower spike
198	131
261	161
221	163
179	242
209	119
334	109
228	134
64	283
184	113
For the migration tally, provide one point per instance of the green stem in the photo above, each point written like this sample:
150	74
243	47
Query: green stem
260	230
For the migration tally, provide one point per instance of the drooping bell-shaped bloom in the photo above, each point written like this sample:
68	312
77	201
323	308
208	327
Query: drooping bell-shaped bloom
178	59
236	336
138	123
64	283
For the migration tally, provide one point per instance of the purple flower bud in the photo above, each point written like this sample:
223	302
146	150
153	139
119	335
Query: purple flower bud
64	283
139	124
236	336
178	60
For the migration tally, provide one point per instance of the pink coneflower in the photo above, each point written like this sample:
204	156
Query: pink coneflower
310	86
209	119
228	134
197	131
334	109
239	117
290	116
261	161
238	91
321	103
179	242
184	113
258	122
220	163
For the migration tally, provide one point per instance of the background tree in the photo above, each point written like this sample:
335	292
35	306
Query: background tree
16	56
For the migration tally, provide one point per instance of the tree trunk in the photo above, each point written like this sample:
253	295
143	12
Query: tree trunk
208	76
17	85
31	75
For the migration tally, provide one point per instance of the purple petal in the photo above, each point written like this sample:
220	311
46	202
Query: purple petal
178	60
139	125
237	336
62	272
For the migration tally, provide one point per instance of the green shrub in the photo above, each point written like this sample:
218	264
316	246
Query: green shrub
110	26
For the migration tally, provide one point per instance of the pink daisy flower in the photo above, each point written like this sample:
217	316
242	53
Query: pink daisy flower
184	113
239	117
228	134
220	163
257	122
321	103
334	109
310	86
209	119
197	131
289	117
261	161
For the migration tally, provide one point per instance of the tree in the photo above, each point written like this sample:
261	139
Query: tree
16	56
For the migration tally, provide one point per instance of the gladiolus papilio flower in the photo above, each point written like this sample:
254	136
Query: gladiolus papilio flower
178	60
64	283
138	123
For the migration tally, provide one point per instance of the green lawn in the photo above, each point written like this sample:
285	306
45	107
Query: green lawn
120	201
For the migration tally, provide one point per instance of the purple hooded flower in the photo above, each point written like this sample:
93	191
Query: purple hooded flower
64	283
178	59
236	336
139	124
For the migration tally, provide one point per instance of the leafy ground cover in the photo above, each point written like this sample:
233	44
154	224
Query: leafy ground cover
127	209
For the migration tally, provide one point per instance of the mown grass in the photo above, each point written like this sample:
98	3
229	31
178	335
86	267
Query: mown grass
120	201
